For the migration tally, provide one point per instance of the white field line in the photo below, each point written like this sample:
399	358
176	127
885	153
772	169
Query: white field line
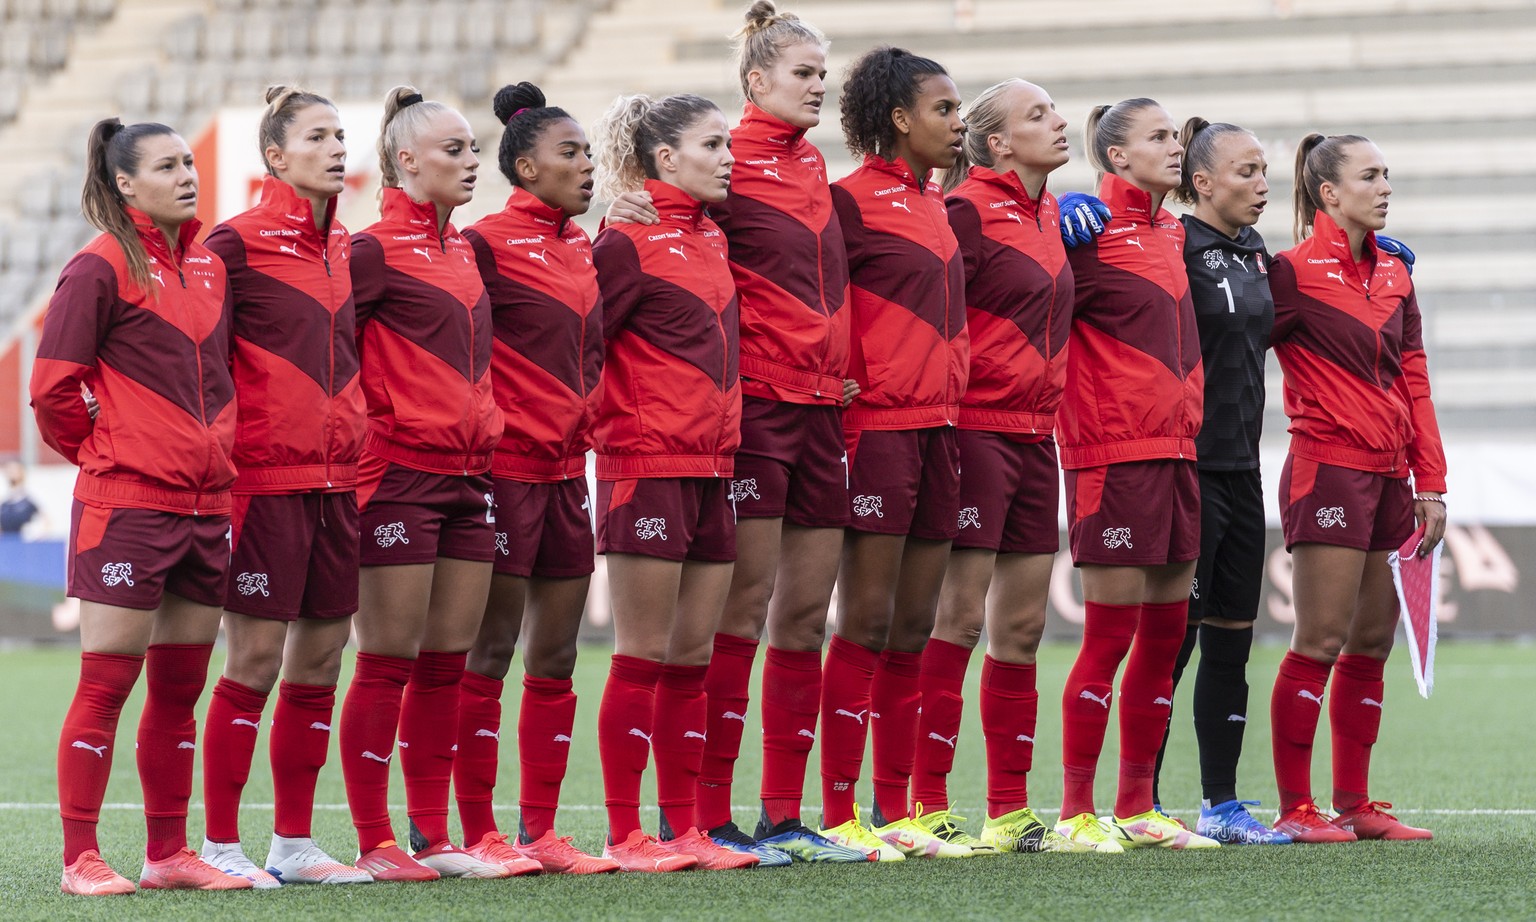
809	809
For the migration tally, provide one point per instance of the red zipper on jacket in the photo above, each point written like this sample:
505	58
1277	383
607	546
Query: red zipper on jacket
330	396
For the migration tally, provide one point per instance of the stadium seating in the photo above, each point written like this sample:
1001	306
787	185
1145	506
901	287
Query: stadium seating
1446	87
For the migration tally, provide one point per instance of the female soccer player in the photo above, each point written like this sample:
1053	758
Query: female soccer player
1349	338
140	321
1018	289
545	362
901	114
1130	411
299	433
667	429
424	492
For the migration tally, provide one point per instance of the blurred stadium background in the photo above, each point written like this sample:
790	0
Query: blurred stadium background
1447	88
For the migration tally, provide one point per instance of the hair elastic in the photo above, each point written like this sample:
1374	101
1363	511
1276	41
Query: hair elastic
516	114
410	100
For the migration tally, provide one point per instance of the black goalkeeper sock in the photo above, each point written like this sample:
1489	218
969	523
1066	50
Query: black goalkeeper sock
1221	708
1186	650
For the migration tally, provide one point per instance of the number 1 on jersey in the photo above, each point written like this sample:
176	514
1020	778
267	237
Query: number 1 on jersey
1226	286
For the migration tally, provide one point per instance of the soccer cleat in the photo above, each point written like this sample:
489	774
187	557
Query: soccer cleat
1023	831
1154	830
300	861
186	871
797	841
730	836
559	856
1372	821
387	861
448	860
943	825
913	839
1230	824
1158	809
1308	825
90	875
643	854
855	835
711	857
229	858
1086	833
493	849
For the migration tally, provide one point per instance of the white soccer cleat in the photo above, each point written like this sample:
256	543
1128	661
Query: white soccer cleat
229	858
300	861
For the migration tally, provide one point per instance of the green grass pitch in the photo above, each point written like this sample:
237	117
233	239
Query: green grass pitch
1459	763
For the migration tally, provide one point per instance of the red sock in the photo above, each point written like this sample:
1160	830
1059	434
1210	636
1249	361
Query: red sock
85	744
845	687
941	681
791	697
726	687
229	741
429	724
1146	700
680	731
369	716
894	700
544	730
301	738
1294	710
625	722
1354	714
474	765
1009	705
1085	701
175	674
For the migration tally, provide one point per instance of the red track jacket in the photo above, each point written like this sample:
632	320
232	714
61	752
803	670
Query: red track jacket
547	356
425	328
295	353
789	262
1349	339
158	363
910	351
671	402
1018	295
1135	387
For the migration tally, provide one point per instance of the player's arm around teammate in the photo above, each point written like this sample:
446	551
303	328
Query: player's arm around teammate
668	425
1227	263
424	489
1346	320
1018	290
140	321
536	263
1130	411
293	566
901	114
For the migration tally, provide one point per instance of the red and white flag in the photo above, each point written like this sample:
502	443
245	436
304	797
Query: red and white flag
1418	591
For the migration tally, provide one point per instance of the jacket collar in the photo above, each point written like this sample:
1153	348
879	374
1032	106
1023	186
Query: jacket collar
897	168
759	123
1009	182
154	240
674	205
397	206
1335	242
1125	199
524	204
281	200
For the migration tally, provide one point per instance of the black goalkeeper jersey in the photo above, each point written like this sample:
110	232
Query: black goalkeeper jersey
1229	283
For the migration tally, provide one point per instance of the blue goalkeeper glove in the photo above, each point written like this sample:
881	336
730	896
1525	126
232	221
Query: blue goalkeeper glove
1082	218
1387	245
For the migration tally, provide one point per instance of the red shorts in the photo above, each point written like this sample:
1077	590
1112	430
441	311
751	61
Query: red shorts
132	557
410	516
543	529
905	482
1009	494
1324	504
791	464
293	556
674	518
1136	514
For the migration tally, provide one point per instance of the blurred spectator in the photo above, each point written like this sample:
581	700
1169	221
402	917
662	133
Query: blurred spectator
18	508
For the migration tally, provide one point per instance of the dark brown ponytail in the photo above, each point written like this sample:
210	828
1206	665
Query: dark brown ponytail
113	148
